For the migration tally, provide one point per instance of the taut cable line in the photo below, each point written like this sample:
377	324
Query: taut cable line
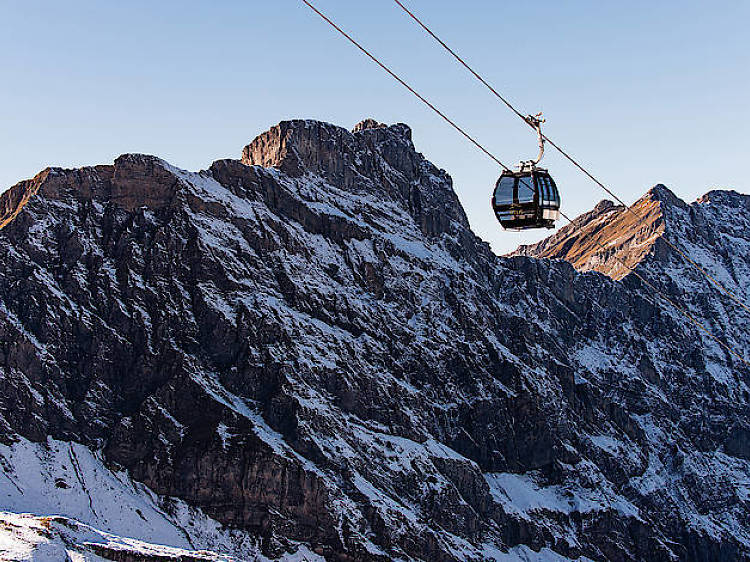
404	84
476	143
572	160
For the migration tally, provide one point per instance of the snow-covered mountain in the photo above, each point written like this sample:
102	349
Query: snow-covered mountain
306	354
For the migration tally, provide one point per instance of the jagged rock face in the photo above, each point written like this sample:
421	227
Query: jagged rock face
609	239
713	233
374	160
310	345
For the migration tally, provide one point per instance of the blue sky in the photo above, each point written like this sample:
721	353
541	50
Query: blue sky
641	92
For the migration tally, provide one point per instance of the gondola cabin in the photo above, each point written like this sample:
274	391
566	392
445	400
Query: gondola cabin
526	199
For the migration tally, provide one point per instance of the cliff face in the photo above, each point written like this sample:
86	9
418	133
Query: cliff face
628	237
707	230
309	351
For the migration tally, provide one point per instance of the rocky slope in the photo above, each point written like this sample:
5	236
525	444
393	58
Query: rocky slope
713	229
308	354
626	239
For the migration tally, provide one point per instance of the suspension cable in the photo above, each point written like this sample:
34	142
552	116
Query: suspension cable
510	106
404	84
476	143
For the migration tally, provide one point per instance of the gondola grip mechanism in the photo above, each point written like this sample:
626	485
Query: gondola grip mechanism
536	122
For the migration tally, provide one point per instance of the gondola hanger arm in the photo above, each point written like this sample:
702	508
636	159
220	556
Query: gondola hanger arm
536	122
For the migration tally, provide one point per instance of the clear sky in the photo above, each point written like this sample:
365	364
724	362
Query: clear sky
642	92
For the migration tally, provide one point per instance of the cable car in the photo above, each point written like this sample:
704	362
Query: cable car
527	198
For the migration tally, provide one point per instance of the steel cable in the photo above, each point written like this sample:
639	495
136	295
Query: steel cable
510	106
476	143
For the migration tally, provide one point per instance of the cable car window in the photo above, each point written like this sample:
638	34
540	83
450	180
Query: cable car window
525	190
553	198
504	190
547	190
555	193
543	190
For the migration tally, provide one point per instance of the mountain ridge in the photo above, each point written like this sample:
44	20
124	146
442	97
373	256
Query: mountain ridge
321	355
630	235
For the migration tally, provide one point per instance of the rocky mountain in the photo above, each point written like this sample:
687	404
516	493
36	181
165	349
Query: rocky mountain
306	354
713	230
627	240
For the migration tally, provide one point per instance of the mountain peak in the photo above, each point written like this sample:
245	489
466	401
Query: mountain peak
725	197
630	236
304	145
368	123
627	239
134	180
663	194
374	158
603	206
